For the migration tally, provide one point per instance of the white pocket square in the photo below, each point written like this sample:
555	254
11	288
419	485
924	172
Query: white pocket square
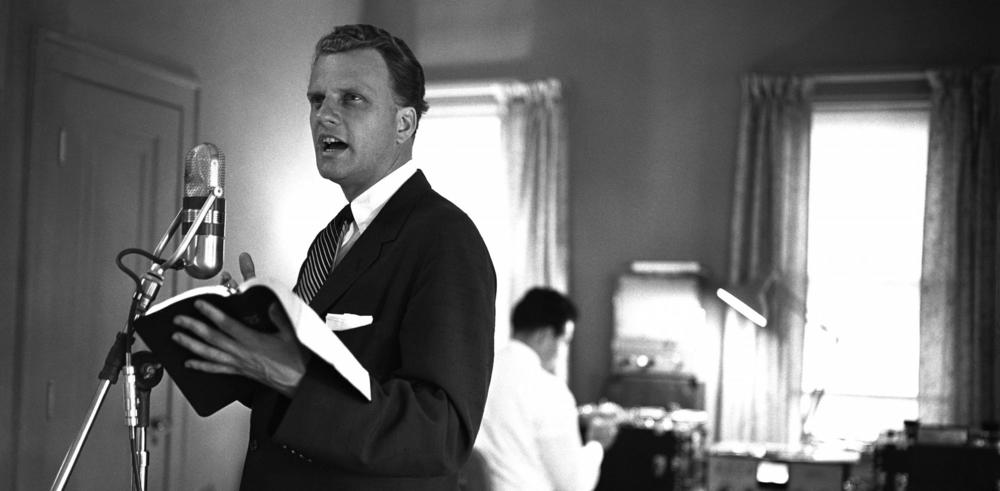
344	322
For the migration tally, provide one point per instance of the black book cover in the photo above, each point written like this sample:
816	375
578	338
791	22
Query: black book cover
206	392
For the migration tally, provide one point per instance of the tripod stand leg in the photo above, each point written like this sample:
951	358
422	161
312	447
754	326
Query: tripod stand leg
74	450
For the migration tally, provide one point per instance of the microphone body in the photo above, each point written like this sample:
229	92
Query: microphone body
204	173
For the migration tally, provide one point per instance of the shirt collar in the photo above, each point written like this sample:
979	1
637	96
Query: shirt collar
367	205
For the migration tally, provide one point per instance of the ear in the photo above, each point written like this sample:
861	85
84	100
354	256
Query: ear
406	123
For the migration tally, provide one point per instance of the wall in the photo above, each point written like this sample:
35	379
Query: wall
252	59
653	94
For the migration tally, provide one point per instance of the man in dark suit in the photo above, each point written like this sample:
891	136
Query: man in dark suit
399	253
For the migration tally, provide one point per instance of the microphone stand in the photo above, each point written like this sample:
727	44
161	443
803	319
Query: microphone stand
148	373
120	355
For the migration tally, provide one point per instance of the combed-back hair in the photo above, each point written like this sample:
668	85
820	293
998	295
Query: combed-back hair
406	76
541	308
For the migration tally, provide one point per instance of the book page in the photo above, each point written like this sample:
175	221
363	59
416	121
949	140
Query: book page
194	292
315	335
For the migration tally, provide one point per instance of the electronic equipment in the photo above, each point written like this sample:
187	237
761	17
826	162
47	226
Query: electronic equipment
655	449
926	457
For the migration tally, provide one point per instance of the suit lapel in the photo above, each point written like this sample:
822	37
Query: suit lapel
367	249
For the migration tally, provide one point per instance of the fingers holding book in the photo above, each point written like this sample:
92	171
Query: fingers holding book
205	343
273	359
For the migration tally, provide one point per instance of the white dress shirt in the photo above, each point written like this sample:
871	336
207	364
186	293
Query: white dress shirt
530	436
366	206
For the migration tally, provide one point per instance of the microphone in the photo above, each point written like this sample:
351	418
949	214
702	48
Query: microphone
204	171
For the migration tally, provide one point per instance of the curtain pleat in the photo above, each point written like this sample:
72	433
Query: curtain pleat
534	139
959	323
761	376
535	143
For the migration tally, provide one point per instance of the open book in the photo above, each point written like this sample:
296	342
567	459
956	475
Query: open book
209	392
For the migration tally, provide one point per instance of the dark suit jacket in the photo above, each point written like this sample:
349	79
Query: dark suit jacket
423	272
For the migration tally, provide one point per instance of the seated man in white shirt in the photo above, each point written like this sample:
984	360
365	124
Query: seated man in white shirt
530	436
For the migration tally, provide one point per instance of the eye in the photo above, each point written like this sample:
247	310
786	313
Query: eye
315	100
352	98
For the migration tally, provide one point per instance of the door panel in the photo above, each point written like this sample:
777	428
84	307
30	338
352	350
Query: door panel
104	175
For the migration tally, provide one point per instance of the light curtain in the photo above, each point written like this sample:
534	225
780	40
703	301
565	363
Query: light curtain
534	141
959	322
761	372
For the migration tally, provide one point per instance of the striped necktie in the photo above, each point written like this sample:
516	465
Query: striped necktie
320	259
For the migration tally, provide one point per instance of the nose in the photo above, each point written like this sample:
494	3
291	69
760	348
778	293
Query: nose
328	112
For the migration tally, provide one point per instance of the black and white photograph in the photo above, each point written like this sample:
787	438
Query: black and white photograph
511	245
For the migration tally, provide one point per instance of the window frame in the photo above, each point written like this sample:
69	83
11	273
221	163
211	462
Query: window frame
872	93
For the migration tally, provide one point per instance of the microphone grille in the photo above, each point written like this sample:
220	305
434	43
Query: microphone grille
204	168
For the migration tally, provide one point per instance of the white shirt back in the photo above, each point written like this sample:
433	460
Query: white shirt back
530	435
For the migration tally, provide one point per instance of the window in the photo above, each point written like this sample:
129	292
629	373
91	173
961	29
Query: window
458	146
866	206
480	145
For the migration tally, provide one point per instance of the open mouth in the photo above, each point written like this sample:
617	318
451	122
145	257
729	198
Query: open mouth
331	144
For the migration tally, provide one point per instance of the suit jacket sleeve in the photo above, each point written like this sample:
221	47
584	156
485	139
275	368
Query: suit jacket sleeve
424	416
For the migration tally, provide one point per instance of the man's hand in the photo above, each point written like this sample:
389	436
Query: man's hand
246	269
275	359
603	431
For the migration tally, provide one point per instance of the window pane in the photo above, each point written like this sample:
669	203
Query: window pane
461	154
860	418
866	205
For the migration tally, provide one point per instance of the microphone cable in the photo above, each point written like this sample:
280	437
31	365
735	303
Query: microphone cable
141	252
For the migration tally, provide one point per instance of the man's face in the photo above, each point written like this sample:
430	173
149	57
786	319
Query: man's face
359	133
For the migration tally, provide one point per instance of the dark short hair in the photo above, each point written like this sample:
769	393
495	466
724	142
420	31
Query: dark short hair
542	308
406	76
